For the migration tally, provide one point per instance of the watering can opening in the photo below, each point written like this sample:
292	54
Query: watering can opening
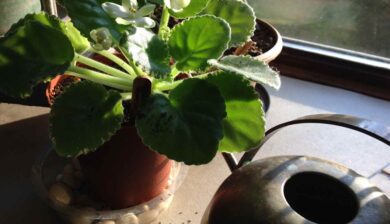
321	198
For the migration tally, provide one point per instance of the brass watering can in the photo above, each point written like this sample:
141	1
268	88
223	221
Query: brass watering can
300	189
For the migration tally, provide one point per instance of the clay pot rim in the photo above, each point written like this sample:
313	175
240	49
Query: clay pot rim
51	85
272	53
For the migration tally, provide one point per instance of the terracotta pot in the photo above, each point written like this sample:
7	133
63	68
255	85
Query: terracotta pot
275	50
51	89
124	172
297	189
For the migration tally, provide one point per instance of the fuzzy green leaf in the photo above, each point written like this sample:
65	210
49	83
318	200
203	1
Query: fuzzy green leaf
244	124
238	14
149	51
195	7
187	125
79	42
31	54
88	15
198	39
251	68
83	117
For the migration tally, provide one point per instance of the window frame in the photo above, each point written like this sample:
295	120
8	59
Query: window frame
336	67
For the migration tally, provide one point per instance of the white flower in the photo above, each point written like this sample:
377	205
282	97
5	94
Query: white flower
128	13
144	22
177	5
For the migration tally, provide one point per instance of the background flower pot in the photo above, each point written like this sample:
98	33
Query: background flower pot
124	172
273	36
13	10
265	44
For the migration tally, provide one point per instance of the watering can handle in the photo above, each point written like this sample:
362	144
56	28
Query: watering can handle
371	128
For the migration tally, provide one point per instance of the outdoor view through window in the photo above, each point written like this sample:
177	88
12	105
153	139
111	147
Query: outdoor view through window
358	25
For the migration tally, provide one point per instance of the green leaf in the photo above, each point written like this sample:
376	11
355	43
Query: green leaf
187	125
238	14
197	40
251	68
195	7
88	15
149	51
244	125
83	117
79	42
31	54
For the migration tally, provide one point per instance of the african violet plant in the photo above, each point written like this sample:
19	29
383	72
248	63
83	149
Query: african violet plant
189	120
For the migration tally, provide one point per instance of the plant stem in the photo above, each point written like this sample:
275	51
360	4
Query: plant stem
126	95
117	60
163	21
98	77
136	69
164	85
243	50
103	67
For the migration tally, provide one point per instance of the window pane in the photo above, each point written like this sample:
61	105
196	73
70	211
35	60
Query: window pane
358	25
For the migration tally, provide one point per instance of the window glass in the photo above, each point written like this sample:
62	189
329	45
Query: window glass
358	25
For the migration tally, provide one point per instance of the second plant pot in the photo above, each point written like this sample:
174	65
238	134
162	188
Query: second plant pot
269	39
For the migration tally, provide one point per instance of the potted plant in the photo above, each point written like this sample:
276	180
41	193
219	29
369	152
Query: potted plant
174	95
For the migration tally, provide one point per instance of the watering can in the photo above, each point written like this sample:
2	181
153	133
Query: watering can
300	189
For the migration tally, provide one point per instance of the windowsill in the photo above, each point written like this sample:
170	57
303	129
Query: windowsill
23	135
354	71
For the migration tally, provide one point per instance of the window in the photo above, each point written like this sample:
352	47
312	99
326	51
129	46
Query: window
344	43
357	25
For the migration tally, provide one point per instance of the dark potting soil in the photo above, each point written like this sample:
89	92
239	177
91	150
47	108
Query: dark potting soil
60	87
263	40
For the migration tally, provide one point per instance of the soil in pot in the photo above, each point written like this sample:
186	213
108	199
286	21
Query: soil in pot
57	86
124	172
264	38
262	41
